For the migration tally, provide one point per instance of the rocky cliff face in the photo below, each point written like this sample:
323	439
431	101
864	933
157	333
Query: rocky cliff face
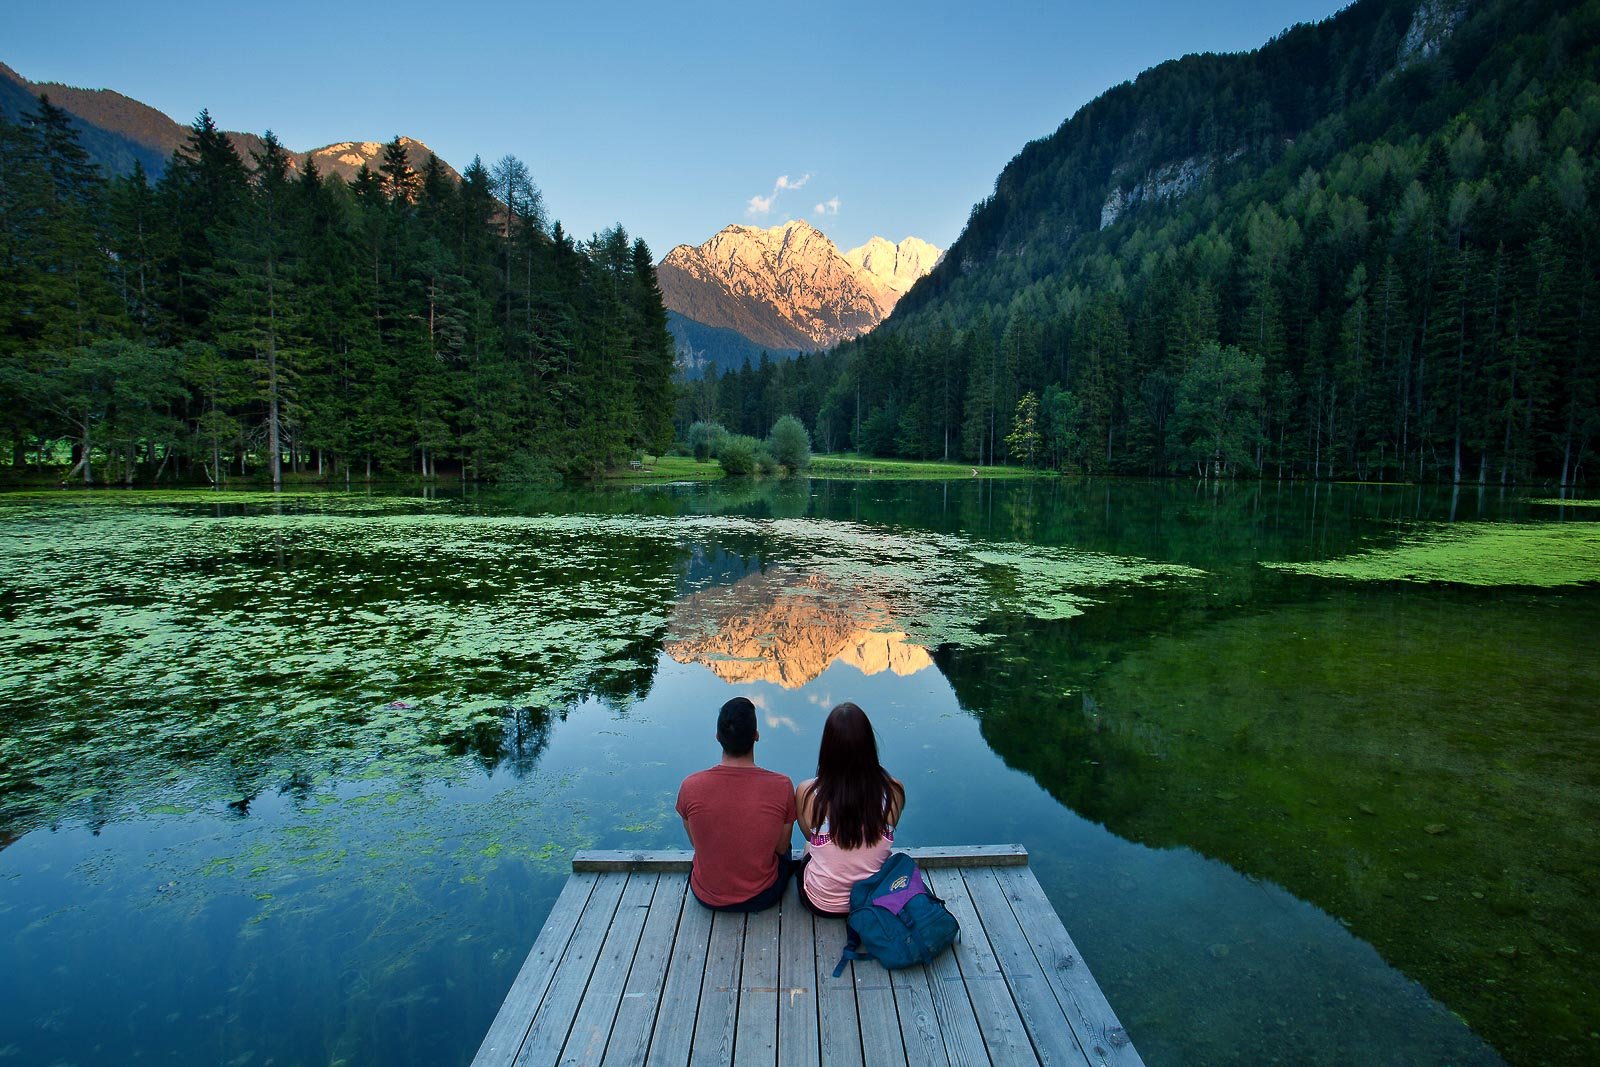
789	286
896	267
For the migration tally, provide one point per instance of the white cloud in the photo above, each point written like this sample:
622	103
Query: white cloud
784	721
762	205
829	206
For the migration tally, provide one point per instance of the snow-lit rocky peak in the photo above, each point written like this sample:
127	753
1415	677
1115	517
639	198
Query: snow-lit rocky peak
788	286
896	266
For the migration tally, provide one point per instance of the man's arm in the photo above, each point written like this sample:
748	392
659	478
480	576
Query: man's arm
790	812
682	814
786	838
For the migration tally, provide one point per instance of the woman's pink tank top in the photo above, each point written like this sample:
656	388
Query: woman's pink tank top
831	870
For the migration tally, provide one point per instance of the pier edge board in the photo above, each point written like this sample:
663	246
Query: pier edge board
680	860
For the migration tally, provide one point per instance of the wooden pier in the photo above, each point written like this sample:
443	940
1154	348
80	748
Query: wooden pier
631	969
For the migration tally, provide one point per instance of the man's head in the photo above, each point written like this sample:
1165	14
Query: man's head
736	727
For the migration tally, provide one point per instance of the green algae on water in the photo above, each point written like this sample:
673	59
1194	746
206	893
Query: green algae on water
159	644
1044	579
1544	555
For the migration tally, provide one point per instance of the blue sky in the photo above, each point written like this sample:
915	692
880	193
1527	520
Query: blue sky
670	117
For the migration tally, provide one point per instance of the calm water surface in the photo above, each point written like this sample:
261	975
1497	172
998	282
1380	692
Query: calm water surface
297	781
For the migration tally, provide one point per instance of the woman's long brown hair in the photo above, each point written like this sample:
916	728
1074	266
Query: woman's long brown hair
852	791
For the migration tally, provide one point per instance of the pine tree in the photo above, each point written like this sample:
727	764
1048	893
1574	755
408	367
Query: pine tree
1024	440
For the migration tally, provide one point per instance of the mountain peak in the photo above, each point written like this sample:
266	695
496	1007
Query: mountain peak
896	266
788	286
141	132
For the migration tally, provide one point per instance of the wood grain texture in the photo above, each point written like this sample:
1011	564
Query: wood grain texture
797	982
646	987
630	968
919	1023
1093	1022
881	1043
1048	1030
673	1033
504	1039
953	1005
755	1042
597	1011
719	991
554	1018
1003	1035
839	1027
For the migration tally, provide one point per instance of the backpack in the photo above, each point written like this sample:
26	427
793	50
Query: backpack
895	919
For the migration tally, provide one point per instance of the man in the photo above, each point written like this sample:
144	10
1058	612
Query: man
738	817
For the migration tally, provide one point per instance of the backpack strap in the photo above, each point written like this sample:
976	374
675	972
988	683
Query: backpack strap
852	951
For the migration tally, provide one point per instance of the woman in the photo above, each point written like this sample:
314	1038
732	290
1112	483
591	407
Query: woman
847	812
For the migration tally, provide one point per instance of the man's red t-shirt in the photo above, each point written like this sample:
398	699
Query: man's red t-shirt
735	816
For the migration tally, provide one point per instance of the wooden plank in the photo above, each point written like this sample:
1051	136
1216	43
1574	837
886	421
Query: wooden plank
756	1037
591	1026
680	860
797	982
629	967
1093	1022
680	995
919	1023
719	991
953	1005
551	1022
636	1015
662	861
969	856
1048	1027
839	1038
880	1027
1000	1031
516	1013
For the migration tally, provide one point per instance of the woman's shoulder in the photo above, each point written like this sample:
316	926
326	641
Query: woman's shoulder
897	798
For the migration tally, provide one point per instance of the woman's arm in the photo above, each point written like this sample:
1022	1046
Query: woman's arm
897	800
802	807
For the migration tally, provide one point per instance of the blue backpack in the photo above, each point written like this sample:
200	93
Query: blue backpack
895	920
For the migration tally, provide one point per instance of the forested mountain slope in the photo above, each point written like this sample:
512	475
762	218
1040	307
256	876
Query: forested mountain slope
115	152
241	318
1366	249
118	131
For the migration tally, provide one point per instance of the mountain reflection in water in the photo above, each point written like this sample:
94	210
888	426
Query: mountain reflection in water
786	627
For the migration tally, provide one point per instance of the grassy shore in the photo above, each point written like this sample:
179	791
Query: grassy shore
849	465
835	465
854	465
669	469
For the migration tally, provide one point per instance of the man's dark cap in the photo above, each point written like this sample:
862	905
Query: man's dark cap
736	726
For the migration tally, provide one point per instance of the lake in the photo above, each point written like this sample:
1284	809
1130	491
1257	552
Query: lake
1311	772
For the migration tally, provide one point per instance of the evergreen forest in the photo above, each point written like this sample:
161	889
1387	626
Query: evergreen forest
1365	250
242	318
